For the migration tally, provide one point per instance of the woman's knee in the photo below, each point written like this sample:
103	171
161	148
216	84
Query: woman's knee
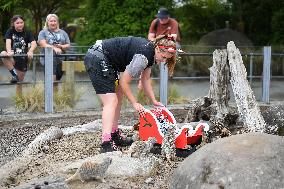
4	53
109	100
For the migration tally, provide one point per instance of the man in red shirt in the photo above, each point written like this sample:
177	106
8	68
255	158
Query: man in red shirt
163	25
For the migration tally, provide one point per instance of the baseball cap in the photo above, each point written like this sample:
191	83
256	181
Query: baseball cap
163	13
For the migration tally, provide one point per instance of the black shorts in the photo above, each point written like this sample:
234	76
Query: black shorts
57	67
21	63
102	83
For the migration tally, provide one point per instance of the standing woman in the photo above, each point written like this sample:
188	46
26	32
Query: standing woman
132	56
56	38
17	43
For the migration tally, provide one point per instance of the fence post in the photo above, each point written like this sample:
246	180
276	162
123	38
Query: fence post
34	70
250	68
164	83
266	73
48	80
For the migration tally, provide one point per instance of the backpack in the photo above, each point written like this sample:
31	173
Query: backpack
158	22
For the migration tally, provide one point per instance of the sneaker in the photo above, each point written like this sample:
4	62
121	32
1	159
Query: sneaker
183	153
14	79
156	149
108	146
121	140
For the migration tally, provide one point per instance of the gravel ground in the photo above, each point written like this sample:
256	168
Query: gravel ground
18	130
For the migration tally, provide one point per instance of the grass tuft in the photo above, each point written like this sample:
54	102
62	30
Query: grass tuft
33	99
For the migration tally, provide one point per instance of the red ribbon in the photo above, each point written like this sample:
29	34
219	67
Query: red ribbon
169	48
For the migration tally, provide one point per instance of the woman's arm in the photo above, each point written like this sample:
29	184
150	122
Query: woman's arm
32	48
124	83
56	49
63	47
64	44
43	43
8	47
147	86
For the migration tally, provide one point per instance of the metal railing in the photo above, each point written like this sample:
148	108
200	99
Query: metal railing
48	79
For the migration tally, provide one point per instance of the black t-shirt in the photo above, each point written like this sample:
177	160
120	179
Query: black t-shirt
20	40
121	50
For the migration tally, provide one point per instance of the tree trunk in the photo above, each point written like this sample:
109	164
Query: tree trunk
219	79
245	99
215	108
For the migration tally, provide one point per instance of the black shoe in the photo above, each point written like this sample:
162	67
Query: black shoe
183	153
108	146
14	79
156	149
119	140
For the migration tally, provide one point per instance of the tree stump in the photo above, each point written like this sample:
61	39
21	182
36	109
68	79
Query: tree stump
245	99
215	106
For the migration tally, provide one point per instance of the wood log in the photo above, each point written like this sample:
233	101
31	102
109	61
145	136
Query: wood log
219	80
244	96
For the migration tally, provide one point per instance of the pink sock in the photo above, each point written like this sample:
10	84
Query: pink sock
114	130
106	137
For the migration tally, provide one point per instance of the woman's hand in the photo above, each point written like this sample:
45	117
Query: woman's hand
58	46
139	108
30	54
10	53
158	104
57	50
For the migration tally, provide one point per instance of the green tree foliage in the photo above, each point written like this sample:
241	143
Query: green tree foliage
112	18
262	20
40	9
277	25
6	12
198	17
36	11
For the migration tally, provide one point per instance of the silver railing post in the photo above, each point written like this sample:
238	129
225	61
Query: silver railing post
164	83
48	80
34	71
266	73
250	68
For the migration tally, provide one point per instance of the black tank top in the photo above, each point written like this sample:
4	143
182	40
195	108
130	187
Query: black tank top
120	50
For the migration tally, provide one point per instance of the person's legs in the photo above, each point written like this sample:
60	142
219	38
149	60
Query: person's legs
21	76
57	72
119	95
110	102
9	64
116	135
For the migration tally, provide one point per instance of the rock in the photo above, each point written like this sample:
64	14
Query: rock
41	140
135	166
51	182
88	127
149	180
251	160
274	117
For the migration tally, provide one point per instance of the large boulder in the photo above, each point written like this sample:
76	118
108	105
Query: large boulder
251	160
